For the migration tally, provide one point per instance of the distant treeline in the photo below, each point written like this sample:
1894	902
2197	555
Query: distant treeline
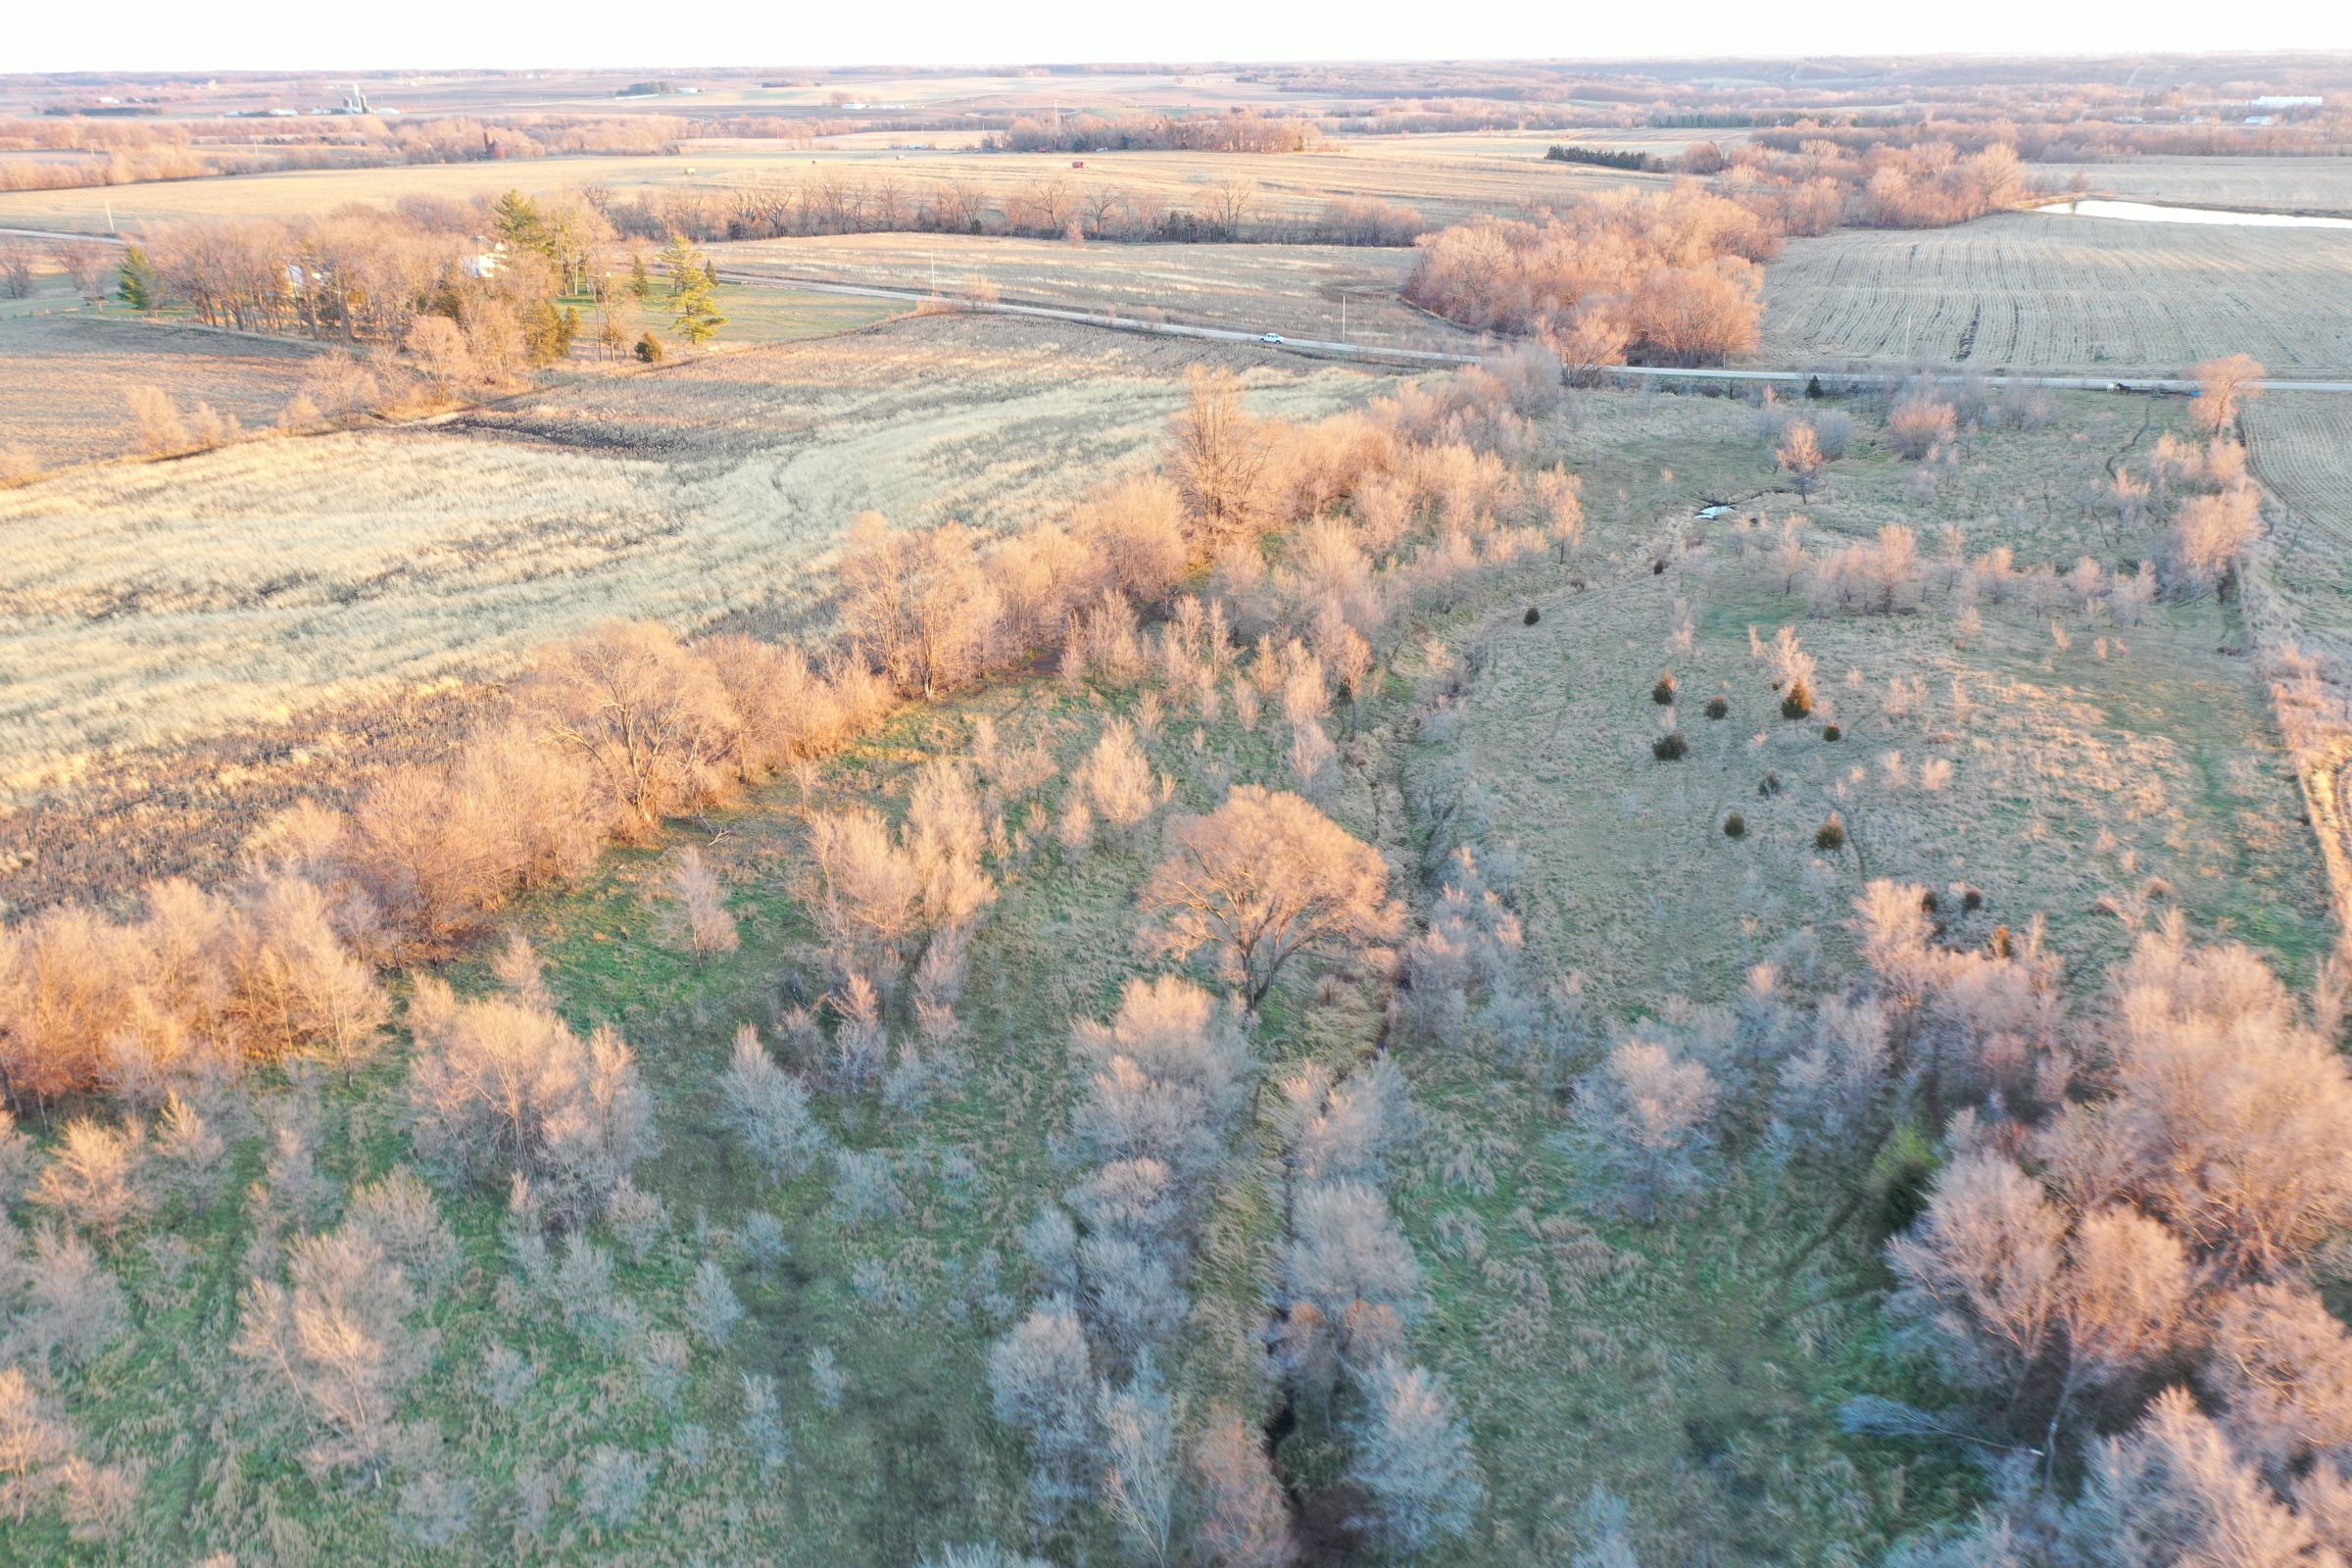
1602	158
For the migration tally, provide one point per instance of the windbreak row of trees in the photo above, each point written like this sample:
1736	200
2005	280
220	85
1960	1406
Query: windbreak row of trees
1238	130
1053	206
126	152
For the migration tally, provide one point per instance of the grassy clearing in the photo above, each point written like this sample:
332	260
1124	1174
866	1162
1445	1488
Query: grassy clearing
1695	1369
760	313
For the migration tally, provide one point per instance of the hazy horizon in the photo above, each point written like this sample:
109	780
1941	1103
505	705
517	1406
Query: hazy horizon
153	37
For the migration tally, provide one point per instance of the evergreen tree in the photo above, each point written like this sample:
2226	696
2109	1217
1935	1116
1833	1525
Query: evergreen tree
699	319
138	287
542	333
641	283
521	225
681	264
693	290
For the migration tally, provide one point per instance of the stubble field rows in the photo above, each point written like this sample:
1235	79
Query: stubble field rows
2266	184
2049	292
63	395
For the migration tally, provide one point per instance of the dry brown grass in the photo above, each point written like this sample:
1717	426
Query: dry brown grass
2143	732
62	397
2053	292
169	602
1293	289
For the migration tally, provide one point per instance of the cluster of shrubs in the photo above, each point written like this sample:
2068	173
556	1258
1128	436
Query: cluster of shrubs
2128	1276
1667	278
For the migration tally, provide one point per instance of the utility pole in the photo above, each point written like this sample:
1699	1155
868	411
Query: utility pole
110	214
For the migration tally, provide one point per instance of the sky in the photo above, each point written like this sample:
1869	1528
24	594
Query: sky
306	35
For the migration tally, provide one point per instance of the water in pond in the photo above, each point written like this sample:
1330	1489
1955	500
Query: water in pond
2151	213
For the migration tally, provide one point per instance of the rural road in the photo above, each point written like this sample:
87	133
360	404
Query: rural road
1368	351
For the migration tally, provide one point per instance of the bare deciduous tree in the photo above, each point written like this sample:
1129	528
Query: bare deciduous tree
1347	1252
1244	1522
1142	1482
34	1441
1800	456
338	1342
1414	1459
2224	387
919	602
1920	423
1220	452
1165	1077
501	1085
2231	1120
93	1178
2170	1492
1041	1379
650	720
1263	879
1643	1119
1118	778
699	903
770	1112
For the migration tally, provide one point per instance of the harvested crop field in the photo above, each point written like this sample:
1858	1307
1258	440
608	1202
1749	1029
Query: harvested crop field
2261	184
169	601
2053	292
1443	179
62	400
1293	289
292	193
